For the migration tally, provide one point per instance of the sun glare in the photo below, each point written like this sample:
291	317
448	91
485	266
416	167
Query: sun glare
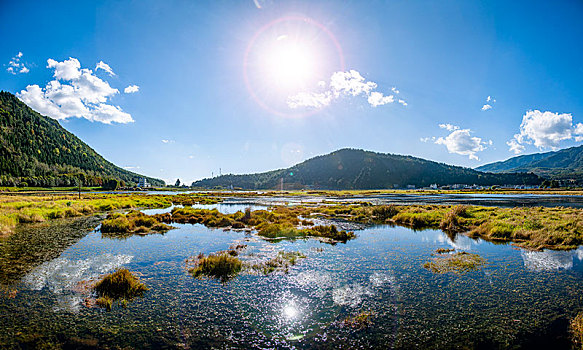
286	56
289	64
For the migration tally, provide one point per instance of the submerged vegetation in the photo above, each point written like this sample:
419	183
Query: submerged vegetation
119	285
460	262
359	321
577	330
281	262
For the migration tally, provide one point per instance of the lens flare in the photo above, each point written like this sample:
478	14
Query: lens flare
288	56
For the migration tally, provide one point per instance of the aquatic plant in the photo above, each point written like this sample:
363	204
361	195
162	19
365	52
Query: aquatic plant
134	222
121	284
104	302
444	250
222	266
281	262
359	321
453	220
459	263
576	327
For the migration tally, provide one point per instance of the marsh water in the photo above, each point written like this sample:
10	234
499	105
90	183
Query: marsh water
518	299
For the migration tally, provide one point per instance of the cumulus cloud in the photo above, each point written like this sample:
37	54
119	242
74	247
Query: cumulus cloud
75	92
378	99
350	83
104	66
545	130
460	141
489	103
15	65
131	89
449	127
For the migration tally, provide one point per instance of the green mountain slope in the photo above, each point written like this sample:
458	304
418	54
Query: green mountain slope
358	169
564	164
37	151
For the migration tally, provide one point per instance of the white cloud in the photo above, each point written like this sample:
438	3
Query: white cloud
578	132
394	89
75	92
449	127
66	70
104	66
377	99
131	89
167	141
545	130
349	83
460	141
15	66
310	99
515	146
489	103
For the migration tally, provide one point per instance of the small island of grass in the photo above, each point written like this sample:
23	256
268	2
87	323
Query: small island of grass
222	266
119	285
134	222
459	263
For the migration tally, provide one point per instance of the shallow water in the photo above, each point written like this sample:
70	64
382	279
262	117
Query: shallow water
518	299
498	200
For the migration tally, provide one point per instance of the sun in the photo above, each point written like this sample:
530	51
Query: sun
287	56
289	63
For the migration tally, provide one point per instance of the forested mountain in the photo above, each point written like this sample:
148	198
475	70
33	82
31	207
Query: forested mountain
37	151
564	164
358	169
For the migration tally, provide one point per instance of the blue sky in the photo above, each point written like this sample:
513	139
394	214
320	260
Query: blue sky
320	76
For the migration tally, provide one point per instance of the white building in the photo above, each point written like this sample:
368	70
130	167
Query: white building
143	183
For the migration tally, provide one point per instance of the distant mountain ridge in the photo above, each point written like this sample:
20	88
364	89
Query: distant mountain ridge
359	169
37	151
563	164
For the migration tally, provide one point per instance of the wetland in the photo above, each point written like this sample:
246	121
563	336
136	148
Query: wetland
228	272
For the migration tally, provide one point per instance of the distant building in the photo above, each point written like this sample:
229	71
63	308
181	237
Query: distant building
410	187
433	186
143	183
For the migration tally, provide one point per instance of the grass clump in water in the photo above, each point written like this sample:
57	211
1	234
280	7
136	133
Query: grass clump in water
444	250
121	284
281	262
459	263
222	266
134	222
360	321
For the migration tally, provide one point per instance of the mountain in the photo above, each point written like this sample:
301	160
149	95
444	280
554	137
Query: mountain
358	169
564	164
37	151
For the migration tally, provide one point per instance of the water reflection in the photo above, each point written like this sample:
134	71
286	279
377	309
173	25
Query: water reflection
66	278
549	260
34	244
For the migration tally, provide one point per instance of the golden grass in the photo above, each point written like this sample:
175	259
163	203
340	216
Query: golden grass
16	209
